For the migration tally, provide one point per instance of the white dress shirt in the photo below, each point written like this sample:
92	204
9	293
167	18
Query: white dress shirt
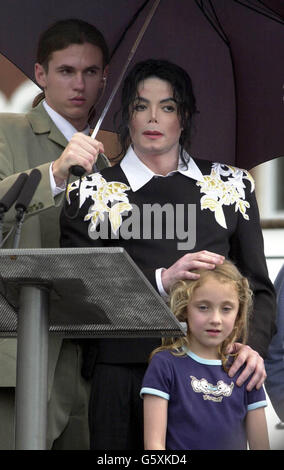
138	174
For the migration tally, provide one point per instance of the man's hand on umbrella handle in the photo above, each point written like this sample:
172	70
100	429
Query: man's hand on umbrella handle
254	366
82	150
185	266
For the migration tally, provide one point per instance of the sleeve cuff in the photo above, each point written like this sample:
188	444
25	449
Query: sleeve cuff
258	404
158	277
55	189
154	391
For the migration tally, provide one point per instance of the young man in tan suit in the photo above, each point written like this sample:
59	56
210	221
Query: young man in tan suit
71	69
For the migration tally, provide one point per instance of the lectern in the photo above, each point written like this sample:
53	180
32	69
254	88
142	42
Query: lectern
74	293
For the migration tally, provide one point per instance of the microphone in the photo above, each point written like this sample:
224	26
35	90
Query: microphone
28	190
9	198
12	194
23	201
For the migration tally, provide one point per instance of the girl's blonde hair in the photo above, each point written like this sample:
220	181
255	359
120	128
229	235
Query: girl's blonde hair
182	293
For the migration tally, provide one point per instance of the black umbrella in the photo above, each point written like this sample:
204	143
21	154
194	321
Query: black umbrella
232	49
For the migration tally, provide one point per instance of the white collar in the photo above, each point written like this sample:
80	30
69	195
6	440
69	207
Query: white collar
139	174
63	125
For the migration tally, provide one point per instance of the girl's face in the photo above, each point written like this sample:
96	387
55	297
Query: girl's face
211	315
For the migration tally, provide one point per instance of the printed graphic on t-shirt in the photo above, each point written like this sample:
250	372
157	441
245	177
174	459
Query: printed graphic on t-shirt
210	391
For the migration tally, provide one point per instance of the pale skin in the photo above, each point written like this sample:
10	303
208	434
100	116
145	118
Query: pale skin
211	315
155	131
72	83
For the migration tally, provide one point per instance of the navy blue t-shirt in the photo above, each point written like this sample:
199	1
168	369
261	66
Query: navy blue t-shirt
206	408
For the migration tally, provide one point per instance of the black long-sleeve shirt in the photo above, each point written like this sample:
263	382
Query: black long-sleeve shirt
212	206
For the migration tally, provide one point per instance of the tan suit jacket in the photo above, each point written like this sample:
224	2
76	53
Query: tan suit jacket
30	141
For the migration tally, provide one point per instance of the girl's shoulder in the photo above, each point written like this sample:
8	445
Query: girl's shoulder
168	355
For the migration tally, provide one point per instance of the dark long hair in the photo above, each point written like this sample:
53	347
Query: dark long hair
181	84
62	34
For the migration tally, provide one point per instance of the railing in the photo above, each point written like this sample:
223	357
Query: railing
272	223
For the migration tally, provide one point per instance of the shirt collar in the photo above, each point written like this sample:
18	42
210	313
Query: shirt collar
63	125
202	360
139	174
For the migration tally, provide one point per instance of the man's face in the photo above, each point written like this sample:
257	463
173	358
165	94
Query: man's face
73	81
155	125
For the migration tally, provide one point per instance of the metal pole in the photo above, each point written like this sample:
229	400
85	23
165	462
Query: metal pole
129	59
32	366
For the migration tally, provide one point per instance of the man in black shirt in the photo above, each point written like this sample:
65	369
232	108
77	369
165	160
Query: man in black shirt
215	205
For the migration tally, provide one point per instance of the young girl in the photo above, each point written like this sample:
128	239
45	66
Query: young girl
190	402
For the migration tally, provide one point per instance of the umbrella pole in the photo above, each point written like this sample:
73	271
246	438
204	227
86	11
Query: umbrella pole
131	54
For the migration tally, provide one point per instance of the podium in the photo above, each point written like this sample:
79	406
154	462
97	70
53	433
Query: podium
73	293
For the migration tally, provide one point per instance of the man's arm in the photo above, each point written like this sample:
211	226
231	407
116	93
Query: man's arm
81	150
247	251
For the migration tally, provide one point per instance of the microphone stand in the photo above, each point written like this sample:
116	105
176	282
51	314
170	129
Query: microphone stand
32	334
1	225
18	228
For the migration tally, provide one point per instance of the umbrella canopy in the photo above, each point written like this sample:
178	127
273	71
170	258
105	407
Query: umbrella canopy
233	51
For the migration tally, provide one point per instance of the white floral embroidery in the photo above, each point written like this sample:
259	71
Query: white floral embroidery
103	197
225	186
